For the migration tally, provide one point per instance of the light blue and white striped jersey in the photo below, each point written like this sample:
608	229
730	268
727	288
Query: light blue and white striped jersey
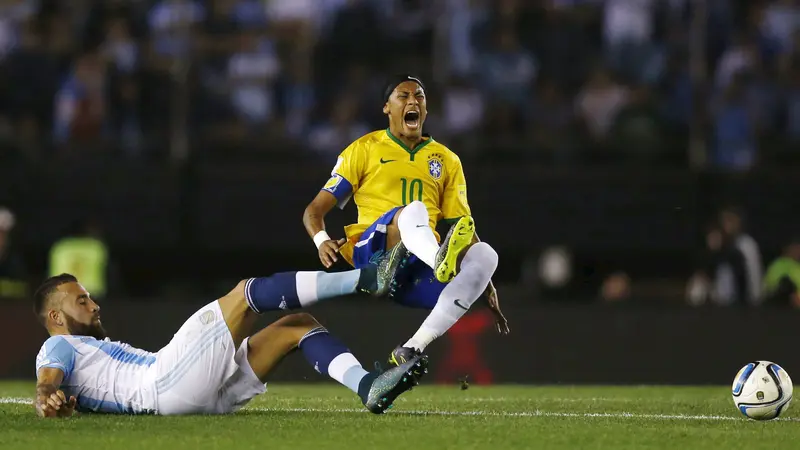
104	376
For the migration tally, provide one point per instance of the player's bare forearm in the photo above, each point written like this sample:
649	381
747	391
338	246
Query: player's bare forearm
50	401
313	221
48	380
315	212
43	390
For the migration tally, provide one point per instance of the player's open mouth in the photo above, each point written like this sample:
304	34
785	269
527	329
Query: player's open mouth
412	119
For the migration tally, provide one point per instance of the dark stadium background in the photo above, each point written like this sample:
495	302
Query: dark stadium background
600	140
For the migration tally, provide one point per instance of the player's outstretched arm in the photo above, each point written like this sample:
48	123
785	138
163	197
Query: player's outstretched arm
51	401
314	221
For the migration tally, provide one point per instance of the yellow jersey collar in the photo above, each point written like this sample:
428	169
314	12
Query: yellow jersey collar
405	147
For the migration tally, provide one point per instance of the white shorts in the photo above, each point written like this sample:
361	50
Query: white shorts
200	372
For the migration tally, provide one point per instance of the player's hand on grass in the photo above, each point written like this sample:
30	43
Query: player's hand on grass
501	323
329	250
55	405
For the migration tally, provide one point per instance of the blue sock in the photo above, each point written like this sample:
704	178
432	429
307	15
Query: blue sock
331	357
294	290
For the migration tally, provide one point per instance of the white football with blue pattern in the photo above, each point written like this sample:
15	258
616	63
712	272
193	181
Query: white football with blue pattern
762	390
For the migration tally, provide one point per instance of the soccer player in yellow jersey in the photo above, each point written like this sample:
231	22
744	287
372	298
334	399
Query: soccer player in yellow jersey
404	183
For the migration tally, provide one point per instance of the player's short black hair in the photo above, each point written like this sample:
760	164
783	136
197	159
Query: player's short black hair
395	81
46	289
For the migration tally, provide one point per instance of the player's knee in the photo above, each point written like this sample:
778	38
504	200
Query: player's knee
412	213
295	326
238	291
416	207
484	255
299	320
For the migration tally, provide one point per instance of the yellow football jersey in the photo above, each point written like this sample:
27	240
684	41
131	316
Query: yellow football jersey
380	173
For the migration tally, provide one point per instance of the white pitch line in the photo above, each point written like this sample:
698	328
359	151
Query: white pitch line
15	401
508	399
536	413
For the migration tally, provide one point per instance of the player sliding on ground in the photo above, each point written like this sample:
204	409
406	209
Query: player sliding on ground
404	183
212	365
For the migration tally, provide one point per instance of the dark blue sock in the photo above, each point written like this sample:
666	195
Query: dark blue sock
294	290
320	348
278	291
330	357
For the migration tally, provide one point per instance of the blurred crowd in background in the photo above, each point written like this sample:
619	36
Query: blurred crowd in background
653	83
668	82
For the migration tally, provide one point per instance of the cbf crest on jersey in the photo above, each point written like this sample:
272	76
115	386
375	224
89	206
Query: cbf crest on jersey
435	166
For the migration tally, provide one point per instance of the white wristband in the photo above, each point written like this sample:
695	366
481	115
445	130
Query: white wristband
321	237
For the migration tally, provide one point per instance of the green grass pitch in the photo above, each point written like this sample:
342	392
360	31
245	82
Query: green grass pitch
328	416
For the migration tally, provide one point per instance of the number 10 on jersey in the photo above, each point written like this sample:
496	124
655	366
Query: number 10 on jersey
412	190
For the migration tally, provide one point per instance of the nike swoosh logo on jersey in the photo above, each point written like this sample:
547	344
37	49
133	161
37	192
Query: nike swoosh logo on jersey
384	161
457	302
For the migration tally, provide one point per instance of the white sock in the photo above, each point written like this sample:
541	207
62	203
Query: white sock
312	287
346	369
416	233
476	271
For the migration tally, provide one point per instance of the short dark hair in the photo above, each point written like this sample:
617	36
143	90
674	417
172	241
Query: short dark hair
46	289
396	80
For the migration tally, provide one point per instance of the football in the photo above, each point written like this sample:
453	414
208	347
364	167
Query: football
762	390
